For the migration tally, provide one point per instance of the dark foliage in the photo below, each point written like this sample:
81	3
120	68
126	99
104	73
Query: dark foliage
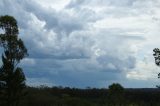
156	55
116	94
12	78
59	96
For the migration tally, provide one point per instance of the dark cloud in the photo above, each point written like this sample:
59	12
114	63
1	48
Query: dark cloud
74	78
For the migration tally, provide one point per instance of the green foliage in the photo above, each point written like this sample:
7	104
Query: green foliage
116	89
56	96
116	94
157	56
12	78
9	25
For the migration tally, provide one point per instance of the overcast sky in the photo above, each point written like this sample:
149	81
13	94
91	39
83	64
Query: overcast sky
81	43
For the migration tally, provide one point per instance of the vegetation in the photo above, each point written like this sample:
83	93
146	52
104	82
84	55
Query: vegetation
157	58
12	78
59	96
116	94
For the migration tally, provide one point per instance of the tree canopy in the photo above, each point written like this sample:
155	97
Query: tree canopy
12	78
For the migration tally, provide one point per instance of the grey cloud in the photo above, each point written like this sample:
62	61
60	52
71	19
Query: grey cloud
75	3
68	76
59	22
127	3
119	63
78	3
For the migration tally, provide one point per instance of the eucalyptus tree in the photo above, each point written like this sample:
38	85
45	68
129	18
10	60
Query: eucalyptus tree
156	55
12	78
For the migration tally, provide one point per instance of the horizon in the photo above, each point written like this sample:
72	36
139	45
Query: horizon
80	43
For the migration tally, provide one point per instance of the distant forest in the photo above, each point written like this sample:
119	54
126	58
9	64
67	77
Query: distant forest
59	96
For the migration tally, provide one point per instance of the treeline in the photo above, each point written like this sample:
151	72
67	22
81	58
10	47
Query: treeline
59	96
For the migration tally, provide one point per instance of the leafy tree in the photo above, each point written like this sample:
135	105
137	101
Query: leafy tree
12	78
156	55
157	60
115	94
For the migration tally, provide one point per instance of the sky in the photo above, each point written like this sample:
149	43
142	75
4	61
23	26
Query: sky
88	43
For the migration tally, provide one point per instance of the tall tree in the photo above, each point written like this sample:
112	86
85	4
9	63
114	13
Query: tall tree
156	55
12	78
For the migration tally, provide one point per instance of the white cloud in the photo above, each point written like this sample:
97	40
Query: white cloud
144	70
54	4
